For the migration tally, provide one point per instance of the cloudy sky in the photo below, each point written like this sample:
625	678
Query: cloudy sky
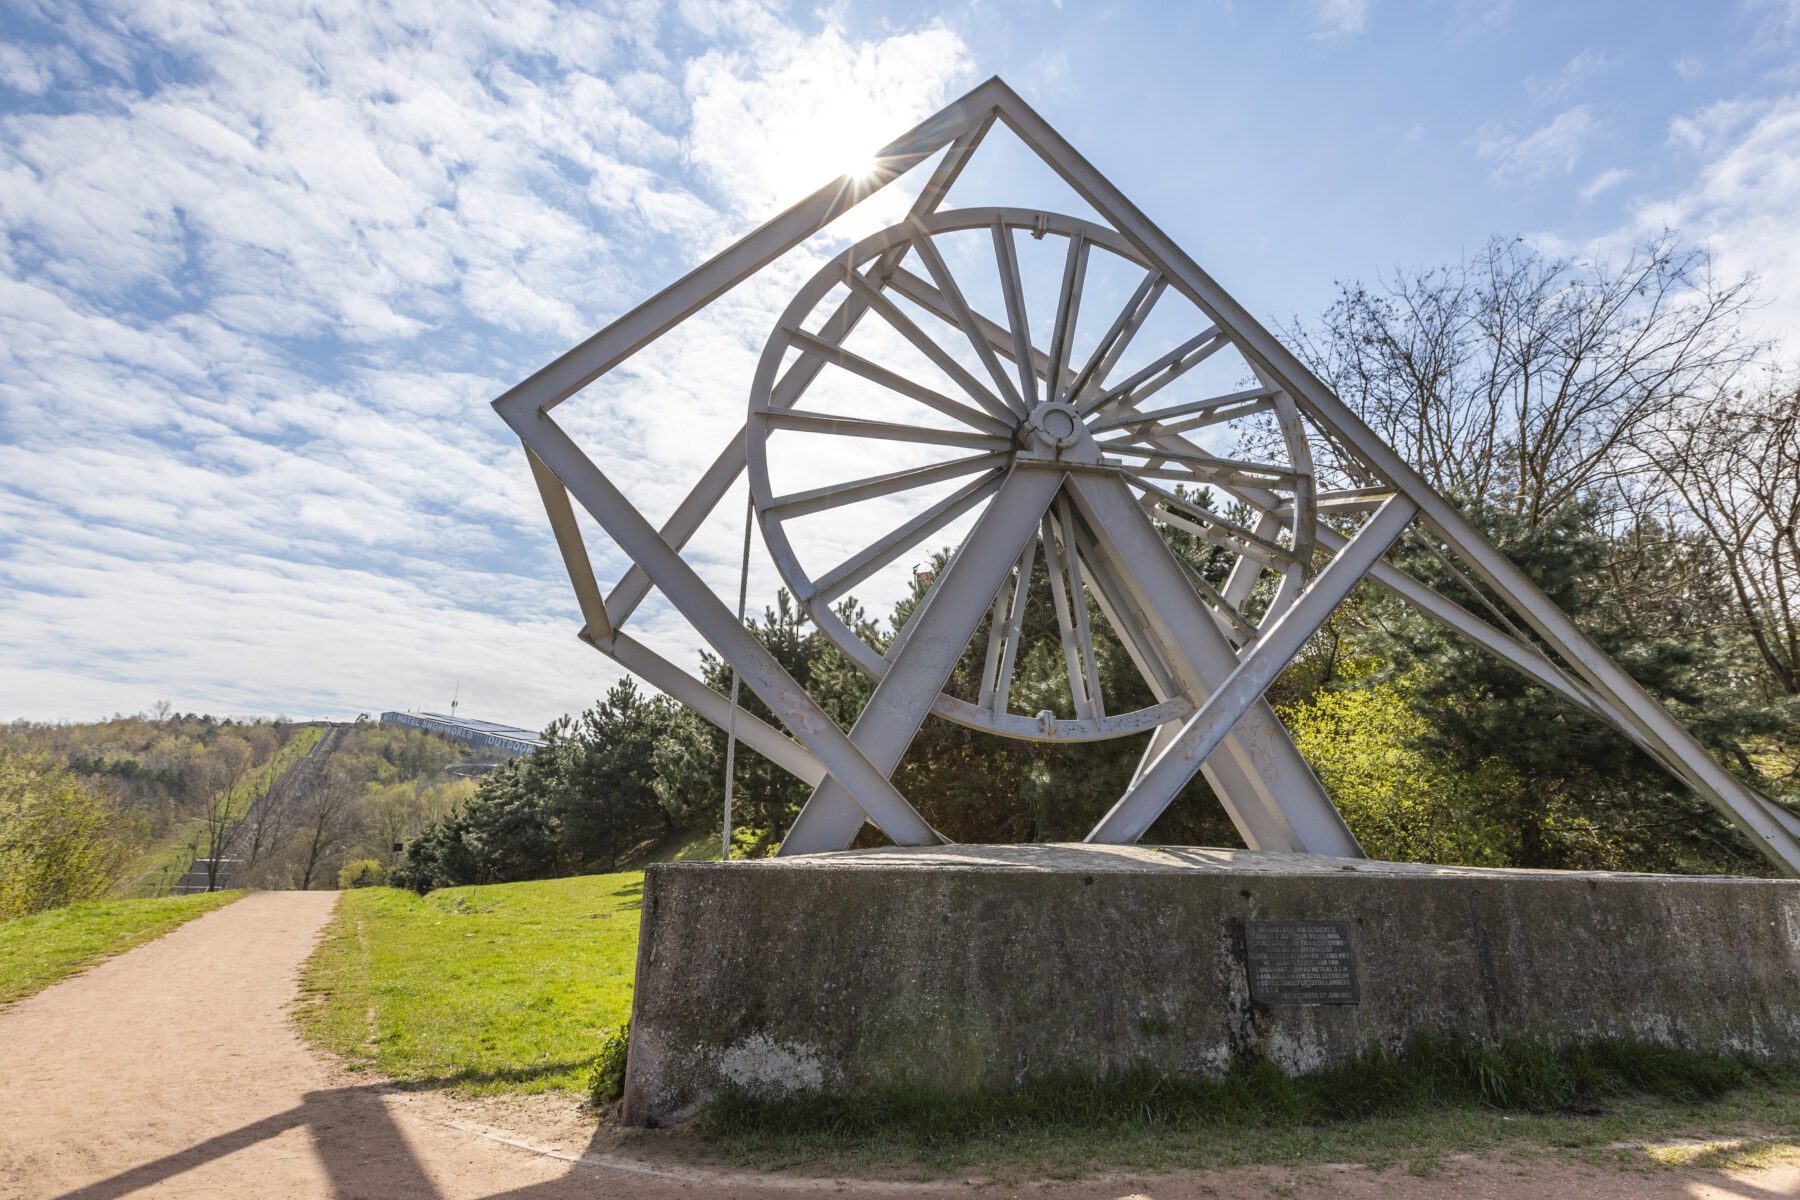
266	264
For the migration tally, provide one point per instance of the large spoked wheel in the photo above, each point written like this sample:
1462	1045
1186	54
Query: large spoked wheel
888	408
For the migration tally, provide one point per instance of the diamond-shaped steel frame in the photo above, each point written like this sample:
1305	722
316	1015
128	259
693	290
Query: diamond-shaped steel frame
1224	727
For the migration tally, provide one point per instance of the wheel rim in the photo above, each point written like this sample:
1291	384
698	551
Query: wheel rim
971	408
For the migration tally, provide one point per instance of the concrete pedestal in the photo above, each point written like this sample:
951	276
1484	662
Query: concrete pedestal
981	966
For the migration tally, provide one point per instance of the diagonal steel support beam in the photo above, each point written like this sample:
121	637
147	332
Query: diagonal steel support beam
699	503
1157	787
1275	801
929	648
1259	824
760	736
721	628
694	291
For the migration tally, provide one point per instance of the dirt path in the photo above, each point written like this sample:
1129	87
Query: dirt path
173	1071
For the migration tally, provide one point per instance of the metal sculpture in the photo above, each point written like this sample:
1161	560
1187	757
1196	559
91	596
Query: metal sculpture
1062	458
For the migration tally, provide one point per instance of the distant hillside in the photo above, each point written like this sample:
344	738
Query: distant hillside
273	803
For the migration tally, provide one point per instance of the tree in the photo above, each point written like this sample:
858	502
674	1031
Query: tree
1521	381
222	776
1587	796
330	818
58	842
1734	463
608	800
265	823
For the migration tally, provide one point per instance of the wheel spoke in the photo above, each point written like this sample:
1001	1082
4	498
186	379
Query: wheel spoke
1204	523
1068	310
1144	420
859	567
959	313
1218	416
1346	500
1207	468
1106	354
1162	372
1217	476
797	504
1001	695
874	373
1006	254
1237	628
930	349
1121	611
996	641
801	421
1084	633
1065	624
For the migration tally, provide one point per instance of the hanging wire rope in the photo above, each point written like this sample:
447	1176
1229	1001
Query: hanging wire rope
731	716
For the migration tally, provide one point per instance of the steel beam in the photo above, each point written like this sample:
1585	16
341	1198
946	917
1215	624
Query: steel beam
729	464
1178	762
1277	803
721	628
760	736
750	254
929	648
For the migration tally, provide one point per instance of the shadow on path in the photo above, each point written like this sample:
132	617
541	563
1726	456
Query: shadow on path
362	1149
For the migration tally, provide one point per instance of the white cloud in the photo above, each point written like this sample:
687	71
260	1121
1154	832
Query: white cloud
255	313
1570	77
771	127
1715	127
1555	149
1340	18
1603	182
1783	16
1743	200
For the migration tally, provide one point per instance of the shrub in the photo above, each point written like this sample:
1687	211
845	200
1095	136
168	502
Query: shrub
606	1077
362	872
58	839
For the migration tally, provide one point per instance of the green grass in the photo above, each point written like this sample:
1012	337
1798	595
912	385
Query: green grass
1610	1104
1748	1127
507	988
165	860
1439	1096
38	950
695	847
1432	1072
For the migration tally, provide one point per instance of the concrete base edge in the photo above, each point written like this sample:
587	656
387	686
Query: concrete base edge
980	967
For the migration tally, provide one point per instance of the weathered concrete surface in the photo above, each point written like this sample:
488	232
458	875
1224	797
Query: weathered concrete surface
977	966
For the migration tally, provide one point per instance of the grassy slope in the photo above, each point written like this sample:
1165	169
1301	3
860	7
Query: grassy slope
38	950
481	989
167	858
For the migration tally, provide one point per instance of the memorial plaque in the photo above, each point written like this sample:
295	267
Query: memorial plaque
1300	962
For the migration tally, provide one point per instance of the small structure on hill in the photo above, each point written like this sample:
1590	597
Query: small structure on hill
508	740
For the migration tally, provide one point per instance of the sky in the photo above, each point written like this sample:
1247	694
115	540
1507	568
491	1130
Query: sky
266	265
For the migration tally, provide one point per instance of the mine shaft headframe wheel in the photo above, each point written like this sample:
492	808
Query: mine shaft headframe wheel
1008	398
